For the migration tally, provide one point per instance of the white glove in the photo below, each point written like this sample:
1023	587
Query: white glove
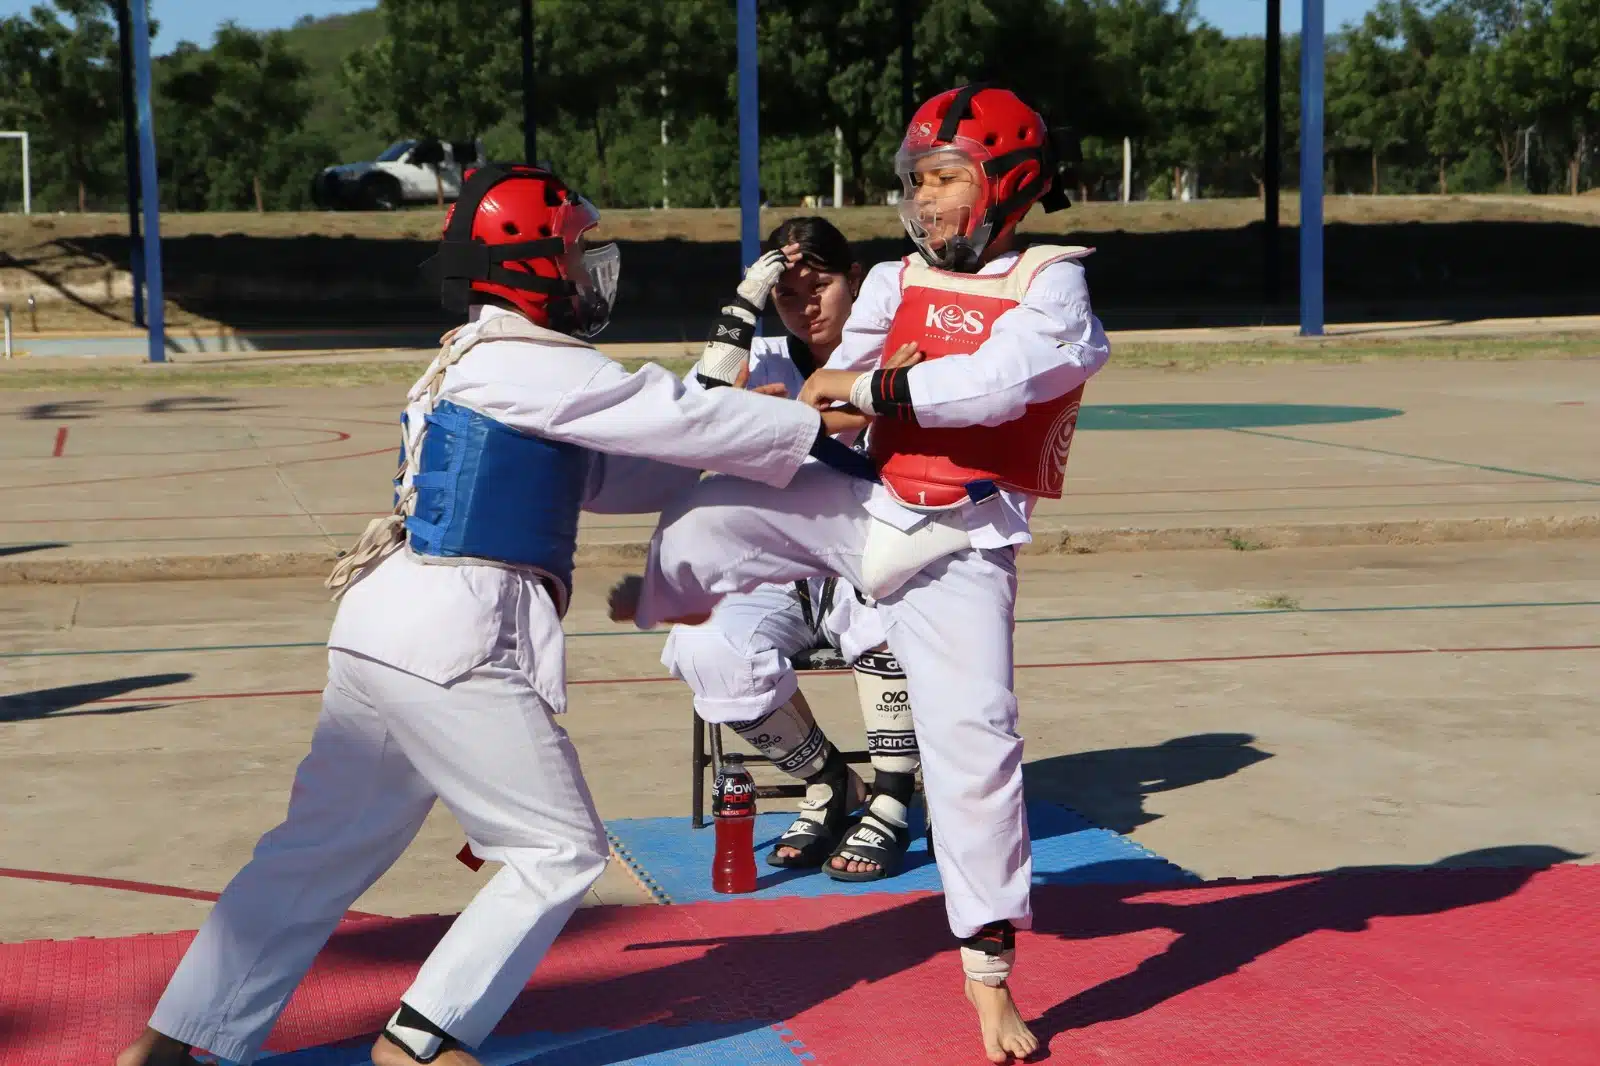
762	276
727	350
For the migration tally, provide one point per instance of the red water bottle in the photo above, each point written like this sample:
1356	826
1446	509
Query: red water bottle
733	811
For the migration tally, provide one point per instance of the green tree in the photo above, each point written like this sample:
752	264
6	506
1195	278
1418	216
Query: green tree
58	77
440	70
1154	67
1369	104
601	58
1568	38
242	100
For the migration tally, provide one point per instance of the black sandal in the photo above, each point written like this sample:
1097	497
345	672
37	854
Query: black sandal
875	839
833	792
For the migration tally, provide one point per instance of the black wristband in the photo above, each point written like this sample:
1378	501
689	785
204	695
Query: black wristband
891	394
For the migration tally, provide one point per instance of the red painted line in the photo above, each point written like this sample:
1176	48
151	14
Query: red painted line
163	698
61	442
1179	661
142	887
209	470
333	436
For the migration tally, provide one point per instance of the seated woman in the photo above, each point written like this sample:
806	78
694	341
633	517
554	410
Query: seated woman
738	661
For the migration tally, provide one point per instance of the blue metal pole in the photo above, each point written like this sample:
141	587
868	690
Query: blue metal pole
749	138
155	316
1311	69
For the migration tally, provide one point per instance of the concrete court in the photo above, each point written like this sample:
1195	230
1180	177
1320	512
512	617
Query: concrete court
134	476
1230	710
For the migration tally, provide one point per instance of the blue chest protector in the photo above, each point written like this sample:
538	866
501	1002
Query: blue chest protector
485	491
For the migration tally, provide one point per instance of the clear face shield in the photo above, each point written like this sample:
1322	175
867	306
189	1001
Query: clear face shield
945	198
593	269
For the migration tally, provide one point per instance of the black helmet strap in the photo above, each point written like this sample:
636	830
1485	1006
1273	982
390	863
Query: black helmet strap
462	260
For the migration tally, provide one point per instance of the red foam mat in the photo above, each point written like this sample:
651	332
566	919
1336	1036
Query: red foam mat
1462	967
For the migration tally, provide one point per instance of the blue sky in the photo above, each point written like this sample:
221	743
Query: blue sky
196	19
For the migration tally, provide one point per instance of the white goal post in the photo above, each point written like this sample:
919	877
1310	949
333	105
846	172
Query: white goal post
27	181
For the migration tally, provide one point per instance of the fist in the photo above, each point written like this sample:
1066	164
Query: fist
622	602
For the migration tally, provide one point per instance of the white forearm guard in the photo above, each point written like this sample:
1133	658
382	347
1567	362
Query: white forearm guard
727	350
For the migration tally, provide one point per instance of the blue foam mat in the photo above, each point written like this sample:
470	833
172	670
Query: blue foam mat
674	860
745	1043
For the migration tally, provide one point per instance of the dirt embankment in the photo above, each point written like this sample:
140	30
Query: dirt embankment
1156	263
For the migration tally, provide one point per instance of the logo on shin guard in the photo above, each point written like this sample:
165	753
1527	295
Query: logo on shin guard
887	741
879	664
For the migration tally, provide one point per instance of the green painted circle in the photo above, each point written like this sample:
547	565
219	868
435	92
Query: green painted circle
1224	415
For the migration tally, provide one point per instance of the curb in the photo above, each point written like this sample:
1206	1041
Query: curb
243	565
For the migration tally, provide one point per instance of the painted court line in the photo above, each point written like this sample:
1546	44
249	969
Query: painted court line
1146	617
1187	660
1423	458
1045	526
146	888
1077	493
1156	416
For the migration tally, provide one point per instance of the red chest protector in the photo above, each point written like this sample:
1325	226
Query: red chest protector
951	314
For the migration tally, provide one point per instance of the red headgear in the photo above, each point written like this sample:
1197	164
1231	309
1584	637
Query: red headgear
1004	147
516	232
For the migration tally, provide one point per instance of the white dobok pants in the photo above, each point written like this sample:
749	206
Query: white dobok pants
737	662
950	628
386	746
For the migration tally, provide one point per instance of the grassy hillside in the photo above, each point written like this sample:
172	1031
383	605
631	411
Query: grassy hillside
323	43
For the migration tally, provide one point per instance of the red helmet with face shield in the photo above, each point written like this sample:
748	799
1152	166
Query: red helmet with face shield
517	233
973	161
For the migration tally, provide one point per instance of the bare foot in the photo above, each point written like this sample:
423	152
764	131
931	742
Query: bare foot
1004	1032
155	1049
855	866
386	1053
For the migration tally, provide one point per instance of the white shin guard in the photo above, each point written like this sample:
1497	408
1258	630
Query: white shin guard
886	713
795	746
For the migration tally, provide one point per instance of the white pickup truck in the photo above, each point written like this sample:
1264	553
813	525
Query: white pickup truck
407	172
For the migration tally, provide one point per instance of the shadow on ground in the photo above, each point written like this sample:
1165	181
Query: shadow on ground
23	549
59	702
1109	787
737	978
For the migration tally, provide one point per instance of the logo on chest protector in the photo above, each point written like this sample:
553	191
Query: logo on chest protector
953	319
1053	463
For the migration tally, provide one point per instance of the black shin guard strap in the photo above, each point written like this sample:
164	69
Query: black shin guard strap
902	787
996	938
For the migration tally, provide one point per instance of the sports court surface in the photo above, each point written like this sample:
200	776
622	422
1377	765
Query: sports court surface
1331	803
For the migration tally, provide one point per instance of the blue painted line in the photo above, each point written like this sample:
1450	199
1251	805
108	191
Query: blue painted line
751	1043
1067	850
1134	617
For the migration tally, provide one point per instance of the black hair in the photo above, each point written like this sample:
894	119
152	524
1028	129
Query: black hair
821	244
